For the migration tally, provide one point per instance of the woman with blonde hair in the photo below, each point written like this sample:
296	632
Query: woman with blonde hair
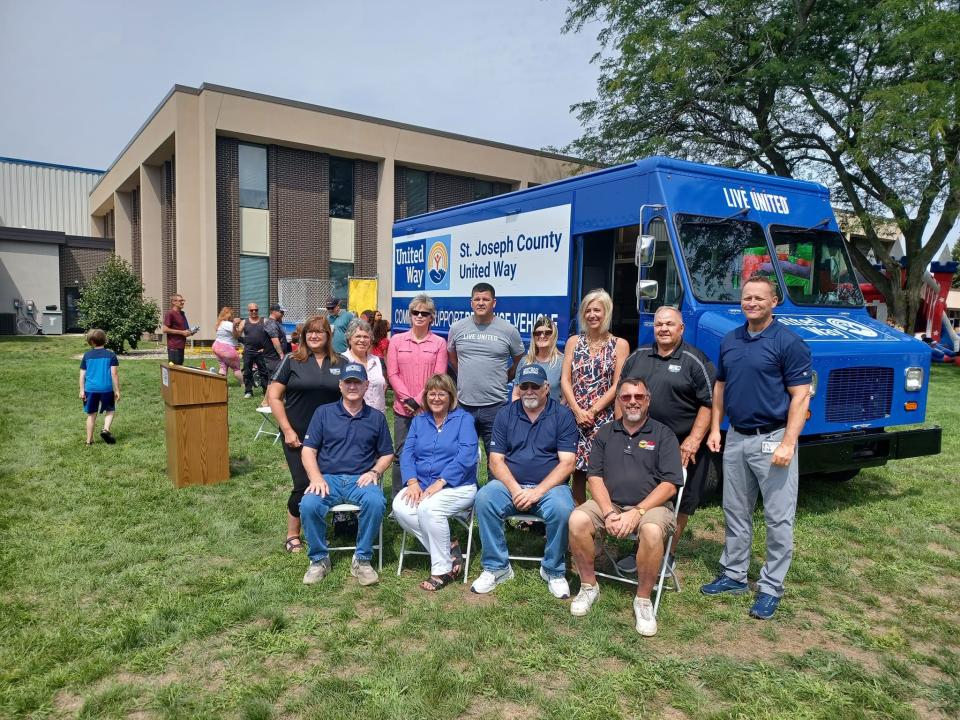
225	343
543	351
439	467
305	380
591	369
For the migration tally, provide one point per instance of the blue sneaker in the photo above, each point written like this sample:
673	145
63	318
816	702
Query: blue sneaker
724	584
764	606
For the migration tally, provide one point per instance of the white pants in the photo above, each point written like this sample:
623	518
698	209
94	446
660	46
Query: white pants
429	524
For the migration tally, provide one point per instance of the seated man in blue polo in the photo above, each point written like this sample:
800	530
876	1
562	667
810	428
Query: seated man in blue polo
346	450
532	453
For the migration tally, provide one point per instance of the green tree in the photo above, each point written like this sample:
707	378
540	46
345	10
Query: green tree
955	254
860	95
113	301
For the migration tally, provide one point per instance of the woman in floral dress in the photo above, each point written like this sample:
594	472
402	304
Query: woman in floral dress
591	370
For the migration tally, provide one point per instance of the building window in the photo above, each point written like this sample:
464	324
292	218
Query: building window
341	188
482	189
340	272
253	176
415	185
254	283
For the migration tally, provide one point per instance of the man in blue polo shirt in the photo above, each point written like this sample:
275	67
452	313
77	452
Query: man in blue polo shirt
763	382
532	453
346	450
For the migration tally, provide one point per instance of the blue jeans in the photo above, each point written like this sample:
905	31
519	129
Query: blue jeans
343	489
494	503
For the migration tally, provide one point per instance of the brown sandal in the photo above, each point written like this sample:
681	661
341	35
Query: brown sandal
294	544
438	582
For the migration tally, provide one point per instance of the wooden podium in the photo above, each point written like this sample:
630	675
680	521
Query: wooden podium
196	425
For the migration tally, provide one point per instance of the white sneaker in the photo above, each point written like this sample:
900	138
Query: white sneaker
317	571
558	585
646	621
585	599
488	580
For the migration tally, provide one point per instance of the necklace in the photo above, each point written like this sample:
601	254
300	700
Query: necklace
596	345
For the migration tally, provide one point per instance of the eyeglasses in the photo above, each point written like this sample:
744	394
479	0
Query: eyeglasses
315	332
636	397
437	395
526	387
543	333
251	309
421	313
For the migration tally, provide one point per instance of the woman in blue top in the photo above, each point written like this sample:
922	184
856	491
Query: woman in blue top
439	464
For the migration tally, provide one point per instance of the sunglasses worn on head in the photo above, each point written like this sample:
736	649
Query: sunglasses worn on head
638	397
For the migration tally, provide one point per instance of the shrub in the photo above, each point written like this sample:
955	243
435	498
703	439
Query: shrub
113	301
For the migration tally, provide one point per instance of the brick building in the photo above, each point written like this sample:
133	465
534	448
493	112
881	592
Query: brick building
224	194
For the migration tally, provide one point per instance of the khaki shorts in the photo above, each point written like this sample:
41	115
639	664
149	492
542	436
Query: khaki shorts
661	516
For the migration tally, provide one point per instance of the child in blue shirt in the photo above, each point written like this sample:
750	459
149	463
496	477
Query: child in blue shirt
99	385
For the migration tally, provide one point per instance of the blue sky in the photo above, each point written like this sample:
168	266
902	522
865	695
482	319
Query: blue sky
81	77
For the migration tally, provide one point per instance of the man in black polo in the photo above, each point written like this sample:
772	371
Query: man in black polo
278	346
633	474
680	380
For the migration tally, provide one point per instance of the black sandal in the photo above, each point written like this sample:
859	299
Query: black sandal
294	544
457	557
438	582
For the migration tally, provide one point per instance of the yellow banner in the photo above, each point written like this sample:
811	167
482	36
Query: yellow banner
363	295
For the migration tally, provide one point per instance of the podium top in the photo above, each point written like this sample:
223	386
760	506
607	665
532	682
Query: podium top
181	385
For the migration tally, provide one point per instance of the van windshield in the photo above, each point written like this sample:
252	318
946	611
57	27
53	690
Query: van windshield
815	267
721	254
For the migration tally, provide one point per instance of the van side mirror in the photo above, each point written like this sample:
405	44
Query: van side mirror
647	290
645	251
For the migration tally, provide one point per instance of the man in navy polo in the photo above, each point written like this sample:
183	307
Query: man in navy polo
346	450
763	383
532	453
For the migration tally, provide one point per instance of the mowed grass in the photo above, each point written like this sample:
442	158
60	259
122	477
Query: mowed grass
124	598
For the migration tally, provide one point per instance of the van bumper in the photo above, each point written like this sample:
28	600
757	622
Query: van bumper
852	451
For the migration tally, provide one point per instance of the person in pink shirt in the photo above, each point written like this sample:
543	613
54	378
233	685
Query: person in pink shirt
412	358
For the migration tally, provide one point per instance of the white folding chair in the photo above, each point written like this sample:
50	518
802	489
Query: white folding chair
268	424
665	568
518	519
351	508
465	520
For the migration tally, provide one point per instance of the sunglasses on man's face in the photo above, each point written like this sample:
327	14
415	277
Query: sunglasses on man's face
636	397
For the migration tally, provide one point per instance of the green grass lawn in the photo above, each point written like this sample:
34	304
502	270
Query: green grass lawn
122	597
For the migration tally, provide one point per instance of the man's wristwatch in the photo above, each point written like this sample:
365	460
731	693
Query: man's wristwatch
640	510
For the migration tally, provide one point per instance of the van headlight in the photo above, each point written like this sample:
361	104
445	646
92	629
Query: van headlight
813	383
913	379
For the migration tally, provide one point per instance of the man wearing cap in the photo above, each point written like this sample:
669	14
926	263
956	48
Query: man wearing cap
634	472
346	450
532	453
339	320
279	346
763	384
679	379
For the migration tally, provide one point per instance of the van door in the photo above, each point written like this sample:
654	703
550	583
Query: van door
664	271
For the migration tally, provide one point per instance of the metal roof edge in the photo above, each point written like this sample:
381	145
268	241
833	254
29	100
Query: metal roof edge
55	166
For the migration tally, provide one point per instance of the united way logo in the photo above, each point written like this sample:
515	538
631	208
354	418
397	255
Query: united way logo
438	263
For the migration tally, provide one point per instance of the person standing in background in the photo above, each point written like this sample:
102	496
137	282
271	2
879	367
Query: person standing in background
339	320
176	329
255	342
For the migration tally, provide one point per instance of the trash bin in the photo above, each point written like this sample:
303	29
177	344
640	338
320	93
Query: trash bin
52	322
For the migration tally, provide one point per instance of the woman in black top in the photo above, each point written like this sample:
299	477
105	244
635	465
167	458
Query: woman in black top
305	380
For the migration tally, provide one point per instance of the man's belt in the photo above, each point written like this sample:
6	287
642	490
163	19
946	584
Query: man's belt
762	430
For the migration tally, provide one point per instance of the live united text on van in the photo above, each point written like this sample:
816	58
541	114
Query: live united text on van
767	202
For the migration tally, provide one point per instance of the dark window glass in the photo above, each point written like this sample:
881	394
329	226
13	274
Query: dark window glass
482	189
815	267
253	176
254	282
339	274
722	254
341	188
415	184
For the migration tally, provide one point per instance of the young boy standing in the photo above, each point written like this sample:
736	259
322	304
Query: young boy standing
99	385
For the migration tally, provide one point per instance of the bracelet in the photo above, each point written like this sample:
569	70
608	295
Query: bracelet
612	512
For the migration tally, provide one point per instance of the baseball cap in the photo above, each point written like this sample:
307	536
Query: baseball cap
354	371
532	374
277	308
332	303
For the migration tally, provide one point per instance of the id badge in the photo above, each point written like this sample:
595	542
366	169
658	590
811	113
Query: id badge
768	446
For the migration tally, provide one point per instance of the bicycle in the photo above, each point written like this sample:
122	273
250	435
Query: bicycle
26	325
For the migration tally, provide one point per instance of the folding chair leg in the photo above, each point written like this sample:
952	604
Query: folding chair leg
380	563
403	547
466	561
663	574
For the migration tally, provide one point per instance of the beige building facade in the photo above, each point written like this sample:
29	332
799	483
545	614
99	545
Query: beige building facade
223	194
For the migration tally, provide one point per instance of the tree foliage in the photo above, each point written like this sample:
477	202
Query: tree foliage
860	95
955	254
113	301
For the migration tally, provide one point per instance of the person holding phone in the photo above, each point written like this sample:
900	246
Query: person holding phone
413	357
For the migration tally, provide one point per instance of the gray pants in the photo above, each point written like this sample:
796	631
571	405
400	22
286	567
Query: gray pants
747	470
401	426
